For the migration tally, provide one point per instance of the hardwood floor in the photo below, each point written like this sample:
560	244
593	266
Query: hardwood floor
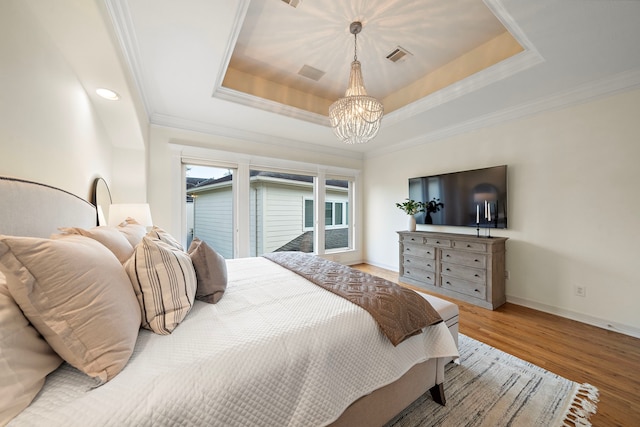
577	351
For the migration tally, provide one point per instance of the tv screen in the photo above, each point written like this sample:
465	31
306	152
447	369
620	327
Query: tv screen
463	197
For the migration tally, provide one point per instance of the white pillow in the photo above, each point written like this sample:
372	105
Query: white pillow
77	295
25	358
164	281
111	237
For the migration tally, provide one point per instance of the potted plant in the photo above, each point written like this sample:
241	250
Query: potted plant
432	206
411	207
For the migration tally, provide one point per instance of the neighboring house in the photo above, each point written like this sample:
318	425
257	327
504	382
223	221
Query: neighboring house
281	213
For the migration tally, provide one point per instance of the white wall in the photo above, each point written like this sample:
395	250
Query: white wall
49	131
574	205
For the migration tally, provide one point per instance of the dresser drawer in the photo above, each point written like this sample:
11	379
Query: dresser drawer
419	251
471	274
406	238
465	258
420	275
462	286
419	262
436	241
472	246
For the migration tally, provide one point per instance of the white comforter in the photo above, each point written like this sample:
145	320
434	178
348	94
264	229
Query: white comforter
275	351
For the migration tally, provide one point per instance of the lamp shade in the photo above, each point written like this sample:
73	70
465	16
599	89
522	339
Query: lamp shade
139	211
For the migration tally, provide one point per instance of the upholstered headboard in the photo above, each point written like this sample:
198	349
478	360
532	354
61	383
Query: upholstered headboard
37	210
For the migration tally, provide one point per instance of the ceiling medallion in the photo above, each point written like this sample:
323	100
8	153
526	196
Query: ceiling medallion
356	117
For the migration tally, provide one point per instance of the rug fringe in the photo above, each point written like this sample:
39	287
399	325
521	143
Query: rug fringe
582	406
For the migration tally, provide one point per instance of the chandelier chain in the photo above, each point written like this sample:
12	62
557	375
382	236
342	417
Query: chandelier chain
355	47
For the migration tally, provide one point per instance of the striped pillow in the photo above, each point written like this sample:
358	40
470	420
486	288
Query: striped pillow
164	281
160	234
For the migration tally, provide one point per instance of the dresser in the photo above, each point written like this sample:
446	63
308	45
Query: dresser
460	266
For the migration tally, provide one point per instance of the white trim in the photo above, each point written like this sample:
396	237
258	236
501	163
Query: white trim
545	308
586	92
253	101
580	317
121	18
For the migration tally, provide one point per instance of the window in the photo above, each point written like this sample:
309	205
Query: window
338	232
210	207
242	211
335	214
281	212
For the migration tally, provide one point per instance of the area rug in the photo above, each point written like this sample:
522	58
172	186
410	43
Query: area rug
493	388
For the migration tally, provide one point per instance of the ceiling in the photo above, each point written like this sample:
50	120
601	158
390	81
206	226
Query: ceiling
230	67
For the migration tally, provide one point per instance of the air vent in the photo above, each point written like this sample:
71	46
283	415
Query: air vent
398	54
310	72
292	3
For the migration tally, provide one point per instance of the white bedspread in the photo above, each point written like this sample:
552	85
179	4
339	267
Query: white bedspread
275	351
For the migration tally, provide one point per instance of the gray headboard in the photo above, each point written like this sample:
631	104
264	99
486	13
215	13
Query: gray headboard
37	210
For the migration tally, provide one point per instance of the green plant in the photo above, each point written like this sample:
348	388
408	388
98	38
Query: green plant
433	206
411	207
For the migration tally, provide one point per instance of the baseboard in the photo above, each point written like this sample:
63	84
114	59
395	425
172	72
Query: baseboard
590	320
385	266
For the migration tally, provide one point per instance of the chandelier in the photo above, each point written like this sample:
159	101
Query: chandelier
356	117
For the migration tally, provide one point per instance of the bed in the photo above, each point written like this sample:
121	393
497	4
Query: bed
274	350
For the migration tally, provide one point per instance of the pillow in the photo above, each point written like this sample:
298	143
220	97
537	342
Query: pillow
78	296
164	282
25	358
111	237
132	231
211	271
159	234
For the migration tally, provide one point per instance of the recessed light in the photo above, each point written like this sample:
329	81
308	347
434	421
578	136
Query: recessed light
107	94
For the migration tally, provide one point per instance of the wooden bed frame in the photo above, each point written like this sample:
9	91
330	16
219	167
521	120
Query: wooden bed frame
36	210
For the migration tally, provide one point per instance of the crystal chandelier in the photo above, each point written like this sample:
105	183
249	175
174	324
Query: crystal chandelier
356	117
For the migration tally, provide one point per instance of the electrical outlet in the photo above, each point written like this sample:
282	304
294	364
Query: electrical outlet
581	291
507	275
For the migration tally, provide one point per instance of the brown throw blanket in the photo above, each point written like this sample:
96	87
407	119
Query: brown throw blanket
399	311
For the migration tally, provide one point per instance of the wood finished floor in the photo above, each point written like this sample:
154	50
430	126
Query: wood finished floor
574	350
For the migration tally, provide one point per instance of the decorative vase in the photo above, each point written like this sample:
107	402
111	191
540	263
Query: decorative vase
412	223
428	219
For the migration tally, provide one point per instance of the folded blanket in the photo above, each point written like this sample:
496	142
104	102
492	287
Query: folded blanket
399	311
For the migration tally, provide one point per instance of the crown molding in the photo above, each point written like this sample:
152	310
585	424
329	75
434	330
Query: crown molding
121	18
248	136
586	92
270	106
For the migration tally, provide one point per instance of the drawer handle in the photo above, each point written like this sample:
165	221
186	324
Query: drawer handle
476	260
448	269
449	256
408	249
428	253
468	246
476	290
408	261
438	241
412	239
448	283
477	275
428	265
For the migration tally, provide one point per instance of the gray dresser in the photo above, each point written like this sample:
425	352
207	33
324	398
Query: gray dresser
461	266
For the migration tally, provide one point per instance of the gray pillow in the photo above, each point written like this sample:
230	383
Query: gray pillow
211	271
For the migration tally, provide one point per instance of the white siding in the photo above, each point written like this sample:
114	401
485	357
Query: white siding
284	214
213	220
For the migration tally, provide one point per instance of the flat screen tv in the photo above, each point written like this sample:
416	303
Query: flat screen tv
464	197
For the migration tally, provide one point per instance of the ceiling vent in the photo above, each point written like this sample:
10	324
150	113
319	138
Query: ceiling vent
292	3
310	72
398	54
